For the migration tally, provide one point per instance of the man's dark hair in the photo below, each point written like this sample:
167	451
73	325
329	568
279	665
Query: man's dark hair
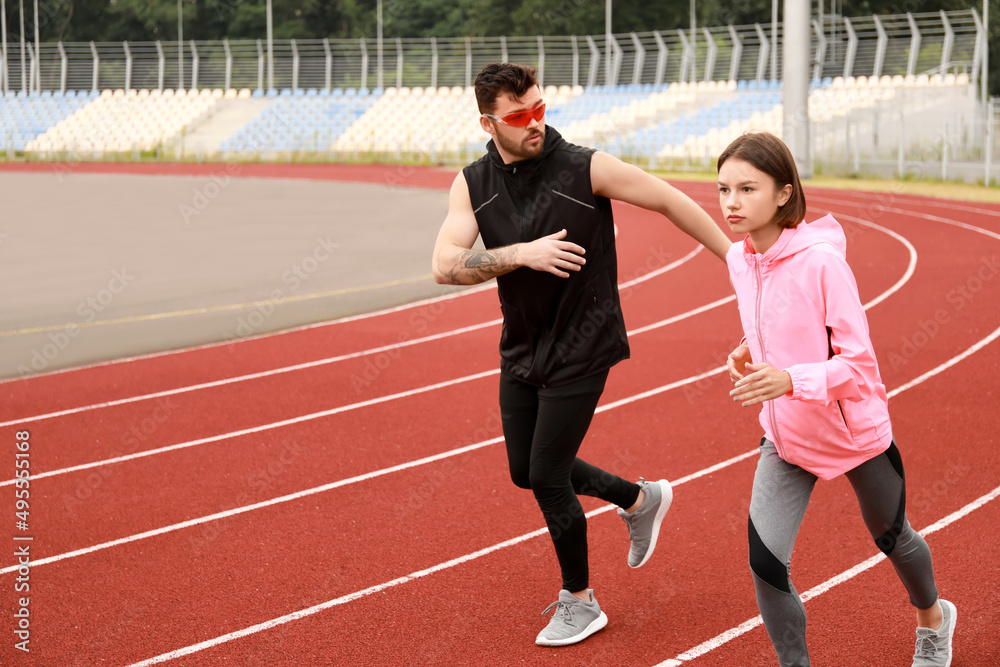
502	79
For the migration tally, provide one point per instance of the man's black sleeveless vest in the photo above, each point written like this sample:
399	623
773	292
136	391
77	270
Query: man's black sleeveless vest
555	330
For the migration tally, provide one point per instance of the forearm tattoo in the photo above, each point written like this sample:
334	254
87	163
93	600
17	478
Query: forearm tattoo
479	260
478	266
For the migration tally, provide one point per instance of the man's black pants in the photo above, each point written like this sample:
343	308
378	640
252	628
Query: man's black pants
543	428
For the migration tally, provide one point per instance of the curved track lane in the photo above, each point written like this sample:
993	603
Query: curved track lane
350	501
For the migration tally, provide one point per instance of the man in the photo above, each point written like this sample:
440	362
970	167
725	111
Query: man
542	207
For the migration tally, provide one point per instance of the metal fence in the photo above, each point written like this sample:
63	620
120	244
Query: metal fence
889	45
992	148
953	137
943	134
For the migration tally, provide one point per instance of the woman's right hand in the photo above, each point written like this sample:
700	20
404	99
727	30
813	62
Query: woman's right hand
737	362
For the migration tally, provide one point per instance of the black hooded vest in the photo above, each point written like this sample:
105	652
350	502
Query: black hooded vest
555	330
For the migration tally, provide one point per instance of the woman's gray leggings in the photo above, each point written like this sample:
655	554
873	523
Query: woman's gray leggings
780	495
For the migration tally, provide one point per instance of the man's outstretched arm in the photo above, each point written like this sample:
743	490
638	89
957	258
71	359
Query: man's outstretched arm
615	179
455	262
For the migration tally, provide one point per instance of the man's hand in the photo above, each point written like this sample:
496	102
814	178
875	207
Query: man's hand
764	383
552	254
737	362
455	262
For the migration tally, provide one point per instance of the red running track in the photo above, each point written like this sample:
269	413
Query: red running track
339	494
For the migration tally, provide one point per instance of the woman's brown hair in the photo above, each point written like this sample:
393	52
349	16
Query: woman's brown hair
770	155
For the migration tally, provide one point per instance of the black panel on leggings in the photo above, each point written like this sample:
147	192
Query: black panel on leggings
764	563
887	541
895	459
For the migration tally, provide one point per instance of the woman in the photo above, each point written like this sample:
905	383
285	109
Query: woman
807	359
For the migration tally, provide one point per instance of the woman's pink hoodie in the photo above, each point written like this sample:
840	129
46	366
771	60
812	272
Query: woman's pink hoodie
801	313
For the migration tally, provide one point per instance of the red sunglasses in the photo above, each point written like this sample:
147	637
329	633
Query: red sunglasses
521	118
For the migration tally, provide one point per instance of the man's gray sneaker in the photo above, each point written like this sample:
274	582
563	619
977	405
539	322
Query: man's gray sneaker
574	620
644	523
934	646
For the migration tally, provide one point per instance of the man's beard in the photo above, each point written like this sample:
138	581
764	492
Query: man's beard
520	150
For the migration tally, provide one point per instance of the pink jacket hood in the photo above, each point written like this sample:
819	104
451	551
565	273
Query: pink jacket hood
826	230
801	312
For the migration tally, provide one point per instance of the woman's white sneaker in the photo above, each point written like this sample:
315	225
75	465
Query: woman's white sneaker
934	646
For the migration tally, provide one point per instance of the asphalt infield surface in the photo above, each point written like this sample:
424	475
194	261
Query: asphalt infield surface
102	266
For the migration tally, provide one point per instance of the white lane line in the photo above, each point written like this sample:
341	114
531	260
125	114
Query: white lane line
845	576
932	218
396	346
910	268
677	318
222	515
950	205
462	450
261	429
361	478
746	626
256	506
254	376
456	294
357	595
188	650
691	654
948	364
946	221
725	637
275	334
330	360
663	269
670	320
326	413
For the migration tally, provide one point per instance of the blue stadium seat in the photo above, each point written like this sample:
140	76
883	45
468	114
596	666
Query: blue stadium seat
301	122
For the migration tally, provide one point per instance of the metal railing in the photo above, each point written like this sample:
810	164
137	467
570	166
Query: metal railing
940	134
992	148
871	46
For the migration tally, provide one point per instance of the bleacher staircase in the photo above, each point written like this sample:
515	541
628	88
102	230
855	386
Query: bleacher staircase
228	118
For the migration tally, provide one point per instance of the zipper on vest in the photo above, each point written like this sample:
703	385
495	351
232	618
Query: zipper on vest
522	208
